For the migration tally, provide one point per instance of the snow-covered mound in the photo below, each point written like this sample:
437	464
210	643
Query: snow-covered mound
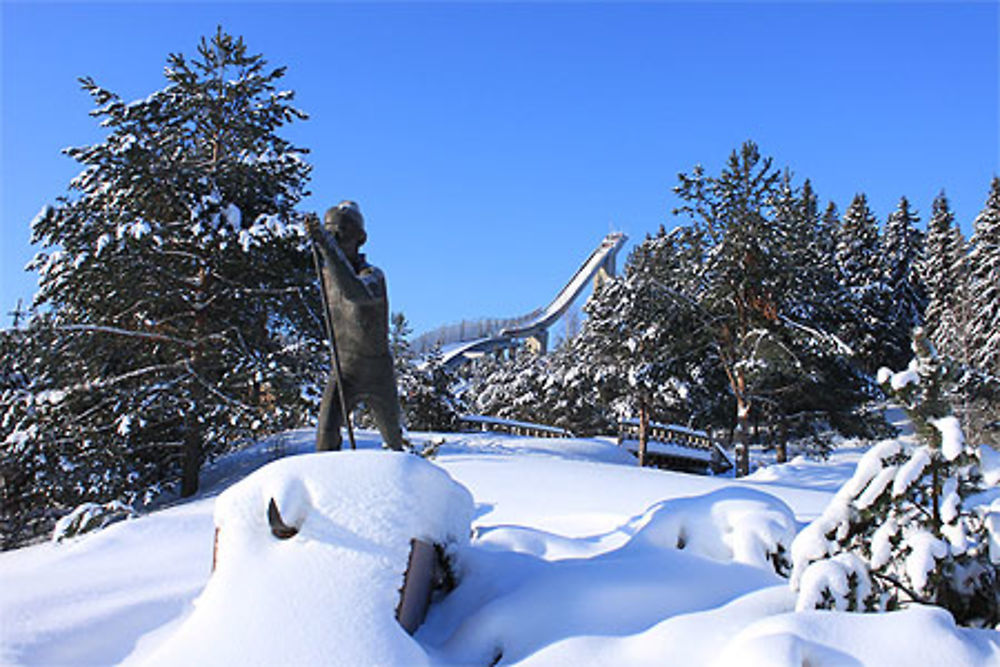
578	557
328	594
680	556
915	636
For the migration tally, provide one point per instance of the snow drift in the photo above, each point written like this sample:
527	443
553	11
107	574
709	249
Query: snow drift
328	594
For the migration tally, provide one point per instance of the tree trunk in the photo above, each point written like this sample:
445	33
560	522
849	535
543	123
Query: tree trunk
781	447
192	464
643	431
741	446
192	431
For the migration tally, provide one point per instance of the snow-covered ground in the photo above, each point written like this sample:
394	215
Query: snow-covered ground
576	557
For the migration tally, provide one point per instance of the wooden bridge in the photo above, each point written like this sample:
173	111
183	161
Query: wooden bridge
670	446
675	448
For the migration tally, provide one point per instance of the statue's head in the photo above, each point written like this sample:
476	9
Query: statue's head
345	221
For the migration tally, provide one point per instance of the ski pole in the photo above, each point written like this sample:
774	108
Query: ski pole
333	345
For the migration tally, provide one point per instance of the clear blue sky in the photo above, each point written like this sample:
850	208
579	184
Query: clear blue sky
492	146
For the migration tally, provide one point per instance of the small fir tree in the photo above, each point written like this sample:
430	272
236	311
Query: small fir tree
429	401
902	529
426	386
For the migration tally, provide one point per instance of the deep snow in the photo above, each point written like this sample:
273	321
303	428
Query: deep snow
576	557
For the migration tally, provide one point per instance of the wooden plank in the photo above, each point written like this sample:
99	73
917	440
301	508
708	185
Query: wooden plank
418	582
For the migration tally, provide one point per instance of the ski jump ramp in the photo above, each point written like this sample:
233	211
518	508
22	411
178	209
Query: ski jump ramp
597	268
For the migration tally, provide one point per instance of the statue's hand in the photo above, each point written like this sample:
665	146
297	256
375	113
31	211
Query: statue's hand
313	226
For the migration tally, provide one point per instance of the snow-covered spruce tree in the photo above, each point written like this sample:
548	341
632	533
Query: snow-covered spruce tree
748	285
628	345
510	389
950	315
984	284
429	400
901	530
813	385
570	399
176	263
902	251
942	271
859	265
426	387
20	513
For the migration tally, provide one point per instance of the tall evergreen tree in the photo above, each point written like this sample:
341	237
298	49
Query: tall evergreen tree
941	269
902	251
758	242
984	284
742	269
177	268
629	344
858	263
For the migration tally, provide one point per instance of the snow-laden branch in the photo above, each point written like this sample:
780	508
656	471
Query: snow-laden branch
125	377
841	346
761	335
212	390
129	333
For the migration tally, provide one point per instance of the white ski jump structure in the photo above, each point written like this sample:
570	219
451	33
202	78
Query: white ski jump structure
535	331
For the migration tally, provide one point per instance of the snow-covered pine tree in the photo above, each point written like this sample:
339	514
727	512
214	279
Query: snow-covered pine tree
984	285
570	398
628	345
950	316
941	270
177	266
902	529
754	235
811	385
510	389
426	386
858	262
430	403
20	513
902	252
743	270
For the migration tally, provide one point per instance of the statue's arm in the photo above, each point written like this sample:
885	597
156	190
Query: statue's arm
369	286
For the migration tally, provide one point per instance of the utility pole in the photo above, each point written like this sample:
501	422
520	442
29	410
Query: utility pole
18	313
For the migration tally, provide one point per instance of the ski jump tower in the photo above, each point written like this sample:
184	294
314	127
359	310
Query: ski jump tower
535	331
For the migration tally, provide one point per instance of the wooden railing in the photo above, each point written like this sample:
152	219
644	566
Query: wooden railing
498	425
700	444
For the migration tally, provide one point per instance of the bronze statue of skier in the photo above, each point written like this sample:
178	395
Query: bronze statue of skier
358	313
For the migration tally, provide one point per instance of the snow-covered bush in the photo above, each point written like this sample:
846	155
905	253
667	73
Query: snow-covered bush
734	524
902	529
89	517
